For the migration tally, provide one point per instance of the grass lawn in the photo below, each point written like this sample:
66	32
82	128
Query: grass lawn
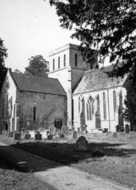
121	170
14	180
118	162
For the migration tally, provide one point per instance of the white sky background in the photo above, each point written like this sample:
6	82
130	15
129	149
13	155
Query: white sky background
28	28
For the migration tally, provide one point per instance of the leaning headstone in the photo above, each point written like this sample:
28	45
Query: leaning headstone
81	144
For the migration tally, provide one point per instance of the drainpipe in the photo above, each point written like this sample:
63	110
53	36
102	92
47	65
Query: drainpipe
109	108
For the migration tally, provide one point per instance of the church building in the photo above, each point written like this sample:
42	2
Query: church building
72	94
94	99
30	102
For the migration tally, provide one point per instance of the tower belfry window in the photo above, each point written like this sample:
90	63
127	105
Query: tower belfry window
58	62
53	64
64	60
34	113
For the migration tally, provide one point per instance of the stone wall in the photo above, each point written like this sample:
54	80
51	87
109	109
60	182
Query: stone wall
7	104
35	110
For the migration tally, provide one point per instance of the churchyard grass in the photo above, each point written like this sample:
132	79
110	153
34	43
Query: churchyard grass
112	157
11	179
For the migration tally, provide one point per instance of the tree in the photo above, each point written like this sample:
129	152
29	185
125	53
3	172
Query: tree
108	28
38	66
102	25
3	55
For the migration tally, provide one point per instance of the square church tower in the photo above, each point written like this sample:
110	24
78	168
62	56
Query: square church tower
67	65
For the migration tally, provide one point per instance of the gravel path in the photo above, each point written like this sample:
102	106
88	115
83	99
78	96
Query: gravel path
65	178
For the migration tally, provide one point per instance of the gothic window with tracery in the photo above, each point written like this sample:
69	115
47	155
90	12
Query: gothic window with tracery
90	108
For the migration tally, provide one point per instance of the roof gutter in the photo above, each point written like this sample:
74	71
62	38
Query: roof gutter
42	92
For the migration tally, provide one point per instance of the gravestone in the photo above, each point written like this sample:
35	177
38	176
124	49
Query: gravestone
23	166
38	136
81	144
114	135
74	135
27	136
17	136
98	153
50	137
127	128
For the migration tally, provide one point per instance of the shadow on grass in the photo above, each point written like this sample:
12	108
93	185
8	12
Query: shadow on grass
66	154
31	156
20	160
4	164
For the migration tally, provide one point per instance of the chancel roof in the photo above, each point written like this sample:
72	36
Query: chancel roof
98	79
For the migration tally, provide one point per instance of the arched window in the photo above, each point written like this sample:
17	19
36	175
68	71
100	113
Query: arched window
90	108
114	101
104	106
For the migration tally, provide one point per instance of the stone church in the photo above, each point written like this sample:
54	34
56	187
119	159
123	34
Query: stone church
93	98
30	103
72	93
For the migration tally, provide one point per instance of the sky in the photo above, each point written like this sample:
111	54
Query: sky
28	28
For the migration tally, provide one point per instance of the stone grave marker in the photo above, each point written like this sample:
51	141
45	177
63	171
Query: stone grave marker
75	135
38	136
114	135
81	144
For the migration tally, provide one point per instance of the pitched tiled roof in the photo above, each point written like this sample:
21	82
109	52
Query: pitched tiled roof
37	84
97	79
